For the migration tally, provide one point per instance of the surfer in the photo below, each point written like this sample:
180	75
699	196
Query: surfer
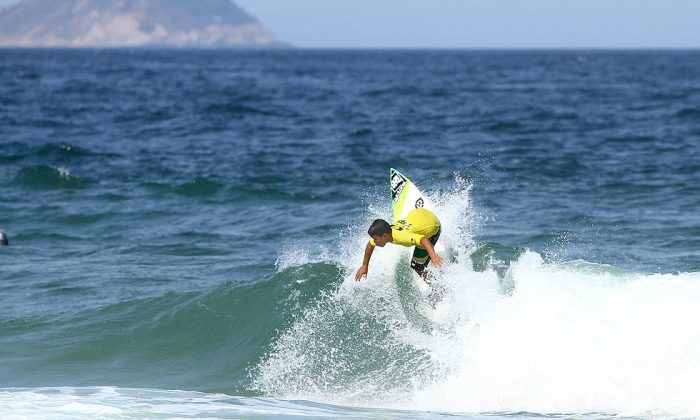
3	238
420	228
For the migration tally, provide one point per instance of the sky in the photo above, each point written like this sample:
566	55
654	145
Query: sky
479	23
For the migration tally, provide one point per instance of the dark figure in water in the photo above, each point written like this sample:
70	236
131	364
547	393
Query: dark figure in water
3	239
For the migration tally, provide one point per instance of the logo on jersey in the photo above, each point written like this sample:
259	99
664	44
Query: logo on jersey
420	203
398	182
401	225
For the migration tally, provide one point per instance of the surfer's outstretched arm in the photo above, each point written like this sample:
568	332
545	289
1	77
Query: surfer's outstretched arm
434	257
362	271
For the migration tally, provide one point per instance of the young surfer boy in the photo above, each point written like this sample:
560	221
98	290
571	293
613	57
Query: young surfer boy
420	228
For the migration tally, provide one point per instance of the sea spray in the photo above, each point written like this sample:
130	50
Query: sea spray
370	341
552	337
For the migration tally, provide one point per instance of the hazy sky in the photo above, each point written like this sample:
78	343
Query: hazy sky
480	23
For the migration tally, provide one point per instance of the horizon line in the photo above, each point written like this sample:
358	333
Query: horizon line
288	47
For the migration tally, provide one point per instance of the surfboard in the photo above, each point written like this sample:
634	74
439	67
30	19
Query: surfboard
405	196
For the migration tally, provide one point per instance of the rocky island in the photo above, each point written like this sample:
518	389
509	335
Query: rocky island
132	23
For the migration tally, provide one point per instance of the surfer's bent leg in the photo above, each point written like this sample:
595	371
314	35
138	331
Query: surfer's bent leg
420	259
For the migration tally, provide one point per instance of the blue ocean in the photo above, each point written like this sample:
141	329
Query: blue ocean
184	229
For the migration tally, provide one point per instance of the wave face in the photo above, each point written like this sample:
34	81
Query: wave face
197	337
192	220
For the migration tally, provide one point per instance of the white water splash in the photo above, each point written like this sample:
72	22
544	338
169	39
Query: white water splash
572	337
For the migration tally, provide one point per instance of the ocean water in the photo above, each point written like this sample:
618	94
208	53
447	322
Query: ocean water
184	229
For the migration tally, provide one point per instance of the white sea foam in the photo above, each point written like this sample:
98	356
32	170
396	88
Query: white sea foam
566	337
572	339
132	403
64	173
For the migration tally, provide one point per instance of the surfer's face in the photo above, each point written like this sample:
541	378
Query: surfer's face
382	240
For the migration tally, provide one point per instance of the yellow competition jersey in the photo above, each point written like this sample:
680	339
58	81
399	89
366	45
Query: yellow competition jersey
418	224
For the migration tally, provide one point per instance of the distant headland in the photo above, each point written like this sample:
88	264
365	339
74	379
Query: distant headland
132	23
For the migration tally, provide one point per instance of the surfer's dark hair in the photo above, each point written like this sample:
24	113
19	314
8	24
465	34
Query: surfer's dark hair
379	227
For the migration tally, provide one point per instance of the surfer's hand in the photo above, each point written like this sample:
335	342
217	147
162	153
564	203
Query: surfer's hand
361	272
437	260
